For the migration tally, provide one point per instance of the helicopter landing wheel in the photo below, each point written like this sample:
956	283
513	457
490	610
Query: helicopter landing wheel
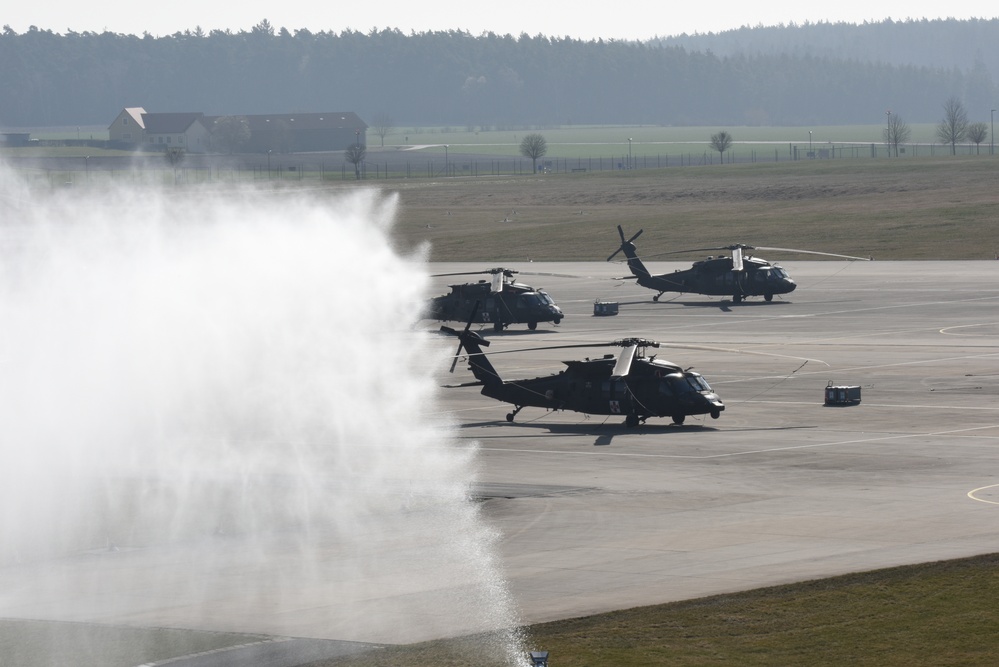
656	297
532	325
631	421
715	414
497	327
511	415
736	298
768	297
678	419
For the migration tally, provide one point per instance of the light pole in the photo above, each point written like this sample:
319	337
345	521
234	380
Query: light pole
86	166
268	163
445	161
992	139
888	135
629	152
809	143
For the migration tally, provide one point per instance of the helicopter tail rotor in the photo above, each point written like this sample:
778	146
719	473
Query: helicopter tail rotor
624	243
464	335
468	340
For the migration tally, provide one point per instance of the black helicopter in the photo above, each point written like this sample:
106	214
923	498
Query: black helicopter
740	275
632	385
503	302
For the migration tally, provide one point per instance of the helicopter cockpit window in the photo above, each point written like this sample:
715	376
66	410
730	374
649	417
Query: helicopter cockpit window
771	274
677	385
532	299
697	382
545	298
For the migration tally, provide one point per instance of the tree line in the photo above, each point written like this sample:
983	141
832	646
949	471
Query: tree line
453	78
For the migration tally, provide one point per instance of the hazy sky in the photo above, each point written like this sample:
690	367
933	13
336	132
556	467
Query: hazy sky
624	19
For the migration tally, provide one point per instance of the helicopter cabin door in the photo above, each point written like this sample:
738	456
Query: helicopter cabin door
487	312
616	395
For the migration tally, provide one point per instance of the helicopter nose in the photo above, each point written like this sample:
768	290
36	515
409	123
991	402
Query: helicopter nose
791	285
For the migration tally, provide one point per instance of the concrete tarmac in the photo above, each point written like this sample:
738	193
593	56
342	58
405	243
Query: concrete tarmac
781	488
595	516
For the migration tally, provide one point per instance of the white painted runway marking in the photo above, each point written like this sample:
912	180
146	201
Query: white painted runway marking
973	494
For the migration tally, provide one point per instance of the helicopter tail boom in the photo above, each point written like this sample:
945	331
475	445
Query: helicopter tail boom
472	343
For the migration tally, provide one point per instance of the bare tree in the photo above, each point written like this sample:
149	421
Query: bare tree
976	135
175	156
383	125
721	142
954	126
534	146
355	155
896	133
230	132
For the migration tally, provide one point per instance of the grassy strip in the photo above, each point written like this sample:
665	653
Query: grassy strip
612	140
931	614
917	208
914	209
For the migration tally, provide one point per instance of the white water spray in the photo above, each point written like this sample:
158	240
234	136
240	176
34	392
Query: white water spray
214	415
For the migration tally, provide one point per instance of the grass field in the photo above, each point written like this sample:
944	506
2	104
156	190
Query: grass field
645	140
929	208
934	614
641	142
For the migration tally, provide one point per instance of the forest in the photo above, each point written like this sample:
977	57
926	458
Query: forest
786	75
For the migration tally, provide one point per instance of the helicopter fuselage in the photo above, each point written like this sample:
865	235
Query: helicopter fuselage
653	388
516	303
740	275
714	277
646	386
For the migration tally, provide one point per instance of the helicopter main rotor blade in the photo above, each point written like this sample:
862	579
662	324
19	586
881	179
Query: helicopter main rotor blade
732	350
815	252
556	275
738	249
509	273
553	347
637	342
459	273
740	246
623	365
